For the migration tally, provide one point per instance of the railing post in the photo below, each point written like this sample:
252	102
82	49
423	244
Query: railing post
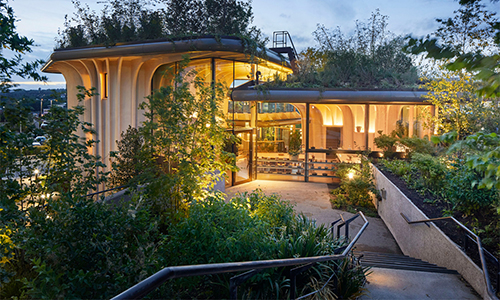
335	278
235	281
293	286
293	278
346	232
498	277
466	237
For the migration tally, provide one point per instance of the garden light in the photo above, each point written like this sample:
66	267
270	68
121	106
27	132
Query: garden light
350	175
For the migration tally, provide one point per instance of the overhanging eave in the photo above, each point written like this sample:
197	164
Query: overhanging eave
331	97
158	47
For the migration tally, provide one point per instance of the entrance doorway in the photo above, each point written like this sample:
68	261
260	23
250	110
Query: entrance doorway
244	157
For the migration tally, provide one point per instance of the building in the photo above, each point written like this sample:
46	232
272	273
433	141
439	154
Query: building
340	124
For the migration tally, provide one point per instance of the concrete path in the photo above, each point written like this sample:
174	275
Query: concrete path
403	284
313	200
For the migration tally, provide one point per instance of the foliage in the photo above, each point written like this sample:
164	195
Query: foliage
295	145
468	44
470	30
387	143
250	226
79	248
431	169
67	163
356	186
412	145
128	164
17	45
462	180
66	172
447	179
184	135
415	144
140	20
370	58
454	96
445	139
464	197
484	158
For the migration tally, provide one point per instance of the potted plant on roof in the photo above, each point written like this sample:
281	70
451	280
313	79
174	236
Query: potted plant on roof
295	145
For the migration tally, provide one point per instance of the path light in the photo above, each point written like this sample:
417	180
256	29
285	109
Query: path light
351	174
36	171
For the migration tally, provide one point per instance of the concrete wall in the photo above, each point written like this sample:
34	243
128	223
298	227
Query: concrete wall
428	243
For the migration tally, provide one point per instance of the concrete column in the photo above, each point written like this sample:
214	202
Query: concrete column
367	124
411	120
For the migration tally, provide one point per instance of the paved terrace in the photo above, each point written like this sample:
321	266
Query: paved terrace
313	200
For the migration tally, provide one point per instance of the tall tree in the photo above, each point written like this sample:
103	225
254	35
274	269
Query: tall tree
469	41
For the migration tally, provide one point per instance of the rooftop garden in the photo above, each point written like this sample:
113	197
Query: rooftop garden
370	58
142	20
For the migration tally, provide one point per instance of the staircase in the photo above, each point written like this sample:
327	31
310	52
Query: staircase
397	276
399	262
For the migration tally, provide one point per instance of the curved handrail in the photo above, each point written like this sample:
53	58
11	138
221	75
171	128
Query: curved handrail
146	286
487	281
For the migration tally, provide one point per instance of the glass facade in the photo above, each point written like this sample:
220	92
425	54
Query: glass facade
295	141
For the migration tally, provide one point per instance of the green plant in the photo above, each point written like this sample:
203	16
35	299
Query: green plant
248	227
139	20
295	145
432	170
85	249
417	145
356	187
465	197
128	163
184	133
387	143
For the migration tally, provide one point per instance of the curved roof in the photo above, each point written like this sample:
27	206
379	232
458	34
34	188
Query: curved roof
330	96
200	44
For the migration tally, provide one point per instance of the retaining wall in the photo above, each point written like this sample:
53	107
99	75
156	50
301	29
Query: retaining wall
426	242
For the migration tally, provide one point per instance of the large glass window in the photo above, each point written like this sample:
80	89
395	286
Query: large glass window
280	142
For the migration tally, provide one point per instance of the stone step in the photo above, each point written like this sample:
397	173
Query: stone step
398	261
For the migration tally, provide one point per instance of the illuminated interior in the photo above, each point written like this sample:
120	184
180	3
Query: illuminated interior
334	133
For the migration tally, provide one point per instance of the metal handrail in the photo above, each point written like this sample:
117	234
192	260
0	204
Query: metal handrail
146	286
489	289
286	36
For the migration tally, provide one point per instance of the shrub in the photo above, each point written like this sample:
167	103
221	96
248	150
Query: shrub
356	188
84	249
387	143
432	171
418	145
127	163
463	195
250	226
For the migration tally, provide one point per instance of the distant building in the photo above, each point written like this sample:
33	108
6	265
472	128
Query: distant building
340	122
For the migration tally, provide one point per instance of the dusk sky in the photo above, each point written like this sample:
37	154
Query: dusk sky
41	19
